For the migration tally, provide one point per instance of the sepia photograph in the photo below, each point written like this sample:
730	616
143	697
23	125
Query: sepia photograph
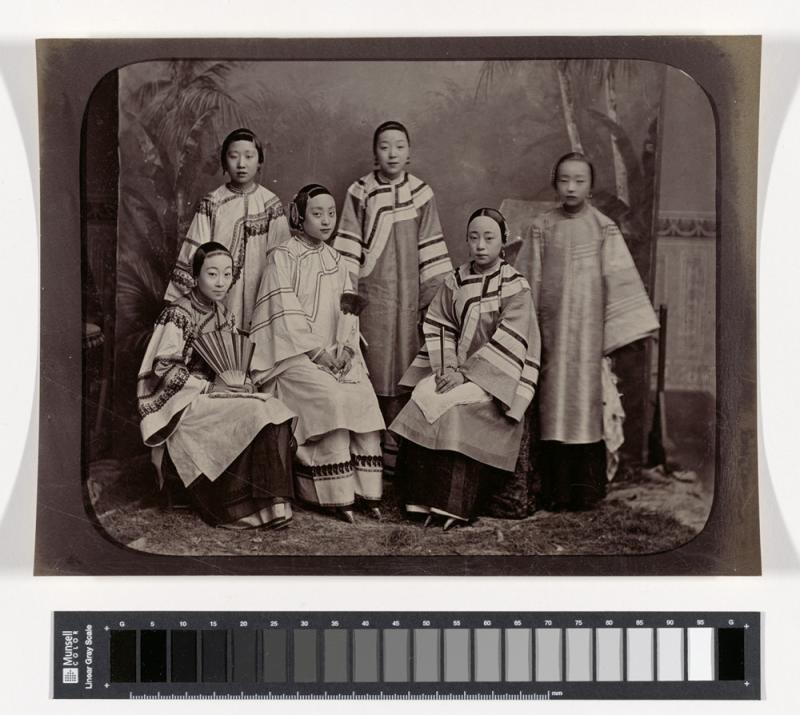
544	455
425	353
400	307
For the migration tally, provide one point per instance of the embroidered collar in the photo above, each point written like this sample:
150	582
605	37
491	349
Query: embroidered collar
494	270
244	192
200	302
399	181
307	243
486	274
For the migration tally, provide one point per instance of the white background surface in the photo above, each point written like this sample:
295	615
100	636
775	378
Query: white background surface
27	602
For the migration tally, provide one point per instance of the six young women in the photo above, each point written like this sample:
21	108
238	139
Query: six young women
360	323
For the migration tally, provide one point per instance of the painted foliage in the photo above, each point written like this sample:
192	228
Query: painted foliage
480	133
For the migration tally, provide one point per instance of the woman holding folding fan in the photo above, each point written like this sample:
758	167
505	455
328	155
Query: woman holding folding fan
228	445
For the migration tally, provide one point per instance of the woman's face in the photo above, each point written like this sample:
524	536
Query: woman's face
241	162
215	277
320	218
485	241
573	183
391	151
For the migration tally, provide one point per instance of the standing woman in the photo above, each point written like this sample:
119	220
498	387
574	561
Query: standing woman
307	353
391	241
590	301
244	217
474	377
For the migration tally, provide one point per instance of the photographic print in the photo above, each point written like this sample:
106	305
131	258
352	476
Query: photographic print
361	308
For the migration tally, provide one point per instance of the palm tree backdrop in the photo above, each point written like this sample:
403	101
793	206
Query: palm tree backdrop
171	127
481	133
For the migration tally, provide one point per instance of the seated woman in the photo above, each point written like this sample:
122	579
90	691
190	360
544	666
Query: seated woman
474	379
229	447
307	351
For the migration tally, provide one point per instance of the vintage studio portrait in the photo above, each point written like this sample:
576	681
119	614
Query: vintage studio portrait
411	308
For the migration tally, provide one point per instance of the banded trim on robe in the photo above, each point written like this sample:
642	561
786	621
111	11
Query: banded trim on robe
371	208
590	301
235	219
170	378
629	315
628	312
283	325
507	364
337	469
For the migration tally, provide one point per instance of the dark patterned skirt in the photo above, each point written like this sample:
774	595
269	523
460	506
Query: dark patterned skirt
573	475
258	480
390	408
447	483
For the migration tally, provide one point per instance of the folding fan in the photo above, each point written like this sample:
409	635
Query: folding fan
228	354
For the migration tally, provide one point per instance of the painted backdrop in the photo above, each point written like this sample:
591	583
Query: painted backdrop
481	133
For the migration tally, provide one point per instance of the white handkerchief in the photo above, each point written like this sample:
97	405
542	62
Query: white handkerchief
356	372
434	404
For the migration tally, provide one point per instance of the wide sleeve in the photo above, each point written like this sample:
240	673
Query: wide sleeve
348	240
280	327
629	315
529	258
200	232
507	366
165	386
434	261
278	231
347	327
440	330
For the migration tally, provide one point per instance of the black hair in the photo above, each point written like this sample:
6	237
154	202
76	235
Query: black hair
496	216
204	250
386	127
297	208
238	135
573	156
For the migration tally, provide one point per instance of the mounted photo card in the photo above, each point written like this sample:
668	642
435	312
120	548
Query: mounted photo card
441	306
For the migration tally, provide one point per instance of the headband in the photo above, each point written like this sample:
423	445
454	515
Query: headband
496	216
386	127
297	207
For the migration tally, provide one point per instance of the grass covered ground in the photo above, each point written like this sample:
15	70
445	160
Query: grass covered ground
648	514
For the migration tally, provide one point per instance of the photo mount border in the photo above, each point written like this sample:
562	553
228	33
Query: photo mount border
68	542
